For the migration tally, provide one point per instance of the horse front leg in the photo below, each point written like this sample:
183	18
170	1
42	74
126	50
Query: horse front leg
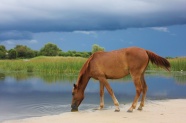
101	96
110	91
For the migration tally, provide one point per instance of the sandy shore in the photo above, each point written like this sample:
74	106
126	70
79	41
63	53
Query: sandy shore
166	111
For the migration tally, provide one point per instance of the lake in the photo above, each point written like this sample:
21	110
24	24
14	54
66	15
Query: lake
25	95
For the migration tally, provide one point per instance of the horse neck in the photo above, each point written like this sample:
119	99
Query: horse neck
83	81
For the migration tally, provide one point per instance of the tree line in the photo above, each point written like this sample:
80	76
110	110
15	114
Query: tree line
49	49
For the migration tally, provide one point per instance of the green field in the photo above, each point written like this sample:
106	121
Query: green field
44	64
177	64
58	65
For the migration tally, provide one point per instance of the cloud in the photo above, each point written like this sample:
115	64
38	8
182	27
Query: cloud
161	29
33	41
15	35
86	32
89	15
9	44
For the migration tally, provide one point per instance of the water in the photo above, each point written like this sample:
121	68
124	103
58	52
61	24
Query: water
25	95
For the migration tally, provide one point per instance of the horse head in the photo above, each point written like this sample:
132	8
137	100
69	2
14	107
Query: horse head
77	98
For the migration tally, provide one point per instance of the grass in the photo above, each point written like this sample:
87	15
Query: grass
177	64
66	65
50	65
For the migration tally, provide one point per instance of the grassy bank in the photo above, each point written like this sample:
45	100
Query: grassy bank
177	64
58	65
44	64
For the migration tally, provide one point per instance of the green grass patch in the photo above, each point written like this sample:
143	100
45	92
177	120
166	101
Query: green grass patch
50	65
177	64
66	65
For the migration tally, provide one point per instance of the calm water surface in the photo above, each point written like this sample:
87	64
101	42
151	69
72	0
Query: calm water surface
28	95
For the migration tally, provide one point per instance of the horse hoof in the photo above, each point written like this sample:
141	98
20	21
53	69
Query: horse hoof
74	110
117	110
98	108
140	108
130	111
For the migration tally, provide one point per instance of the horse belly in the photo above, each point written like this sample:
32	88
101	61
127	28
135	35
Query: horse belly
116	73
111	65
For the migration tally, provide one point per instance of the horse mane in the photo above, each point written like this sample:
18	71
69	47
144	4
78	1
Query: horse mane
84	69
158	60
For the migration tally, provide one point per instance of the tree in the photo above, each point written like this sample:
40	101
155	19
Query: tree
86	54
50	50
12	54
24	52
76	54
96	48
30	53
2	52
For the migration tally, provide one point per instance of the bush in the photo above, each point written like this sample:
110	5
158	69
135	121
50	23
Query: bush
2	52
50	50
12	54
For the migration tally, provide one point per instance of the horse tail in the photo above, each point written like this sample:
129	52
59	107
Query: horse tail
158	60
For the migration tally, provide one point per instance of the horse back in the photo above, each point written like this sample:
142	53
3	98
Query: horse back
118	63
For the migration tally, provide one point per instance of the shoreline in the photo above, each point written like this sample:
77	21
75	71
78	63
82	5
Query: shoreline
166	111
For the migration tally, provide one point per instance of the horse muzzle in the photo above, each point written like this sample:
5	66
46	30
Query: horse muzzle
74	108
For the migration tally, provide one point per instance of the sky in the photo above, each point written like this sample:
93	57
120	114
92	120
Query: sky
156	25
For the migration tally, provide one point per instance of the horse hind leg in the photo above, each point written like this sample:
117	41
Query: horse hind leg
139	88
145	88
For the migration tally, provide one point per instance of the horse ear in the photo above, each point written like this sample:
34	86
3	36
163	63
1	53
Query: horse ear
75	86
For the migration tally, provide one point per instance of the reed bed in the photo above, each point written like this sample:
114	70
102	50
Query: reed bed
177	64
67	65
50	65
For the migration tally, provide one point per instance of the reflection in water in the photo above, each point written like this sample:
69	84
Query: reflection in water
179	76
33	94
49	78
2	76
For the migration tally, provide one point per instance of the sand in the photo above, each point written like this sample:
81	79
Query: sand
164	111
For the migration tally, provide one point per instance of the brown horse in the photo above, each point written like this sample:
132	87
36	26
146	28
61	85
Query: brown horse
114	65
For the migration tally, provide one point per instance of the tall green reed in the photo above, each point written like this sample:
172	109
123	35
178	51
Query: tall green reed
67	65
53	65
177	64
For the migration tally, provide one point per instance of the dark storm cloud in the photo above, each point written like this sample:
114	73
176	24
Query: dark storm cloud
73	15
15	35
